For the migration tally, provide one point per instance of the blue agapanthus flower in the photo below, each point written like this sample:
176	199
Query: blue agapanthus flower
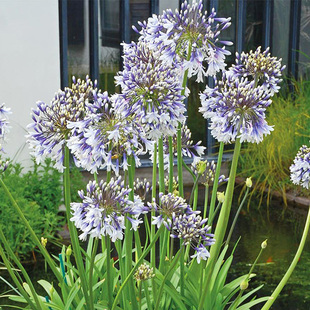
152	90
236	109
104	208
106	137
189	38
261	66
300	169
48	132
194	231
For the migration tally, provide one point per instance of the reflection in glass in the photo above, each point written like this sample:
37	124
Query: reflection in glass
304	45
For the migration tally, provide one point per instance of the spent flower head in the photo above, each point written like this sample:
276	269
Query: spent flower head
104	208
236	109
300	169
189	38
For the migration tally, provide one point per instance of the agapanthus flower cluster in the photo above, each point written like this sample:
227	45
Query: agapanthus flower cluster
49	131
144	272
105	137
300	169
188	147
236	109
192	229
104	208
189	38
261	66
4	124
206	169
169	204
152	89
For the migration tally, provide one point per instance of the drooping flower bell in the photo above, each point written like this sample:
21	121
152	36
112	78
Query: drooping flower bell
300	169
104	208
48	132
189	38
236	109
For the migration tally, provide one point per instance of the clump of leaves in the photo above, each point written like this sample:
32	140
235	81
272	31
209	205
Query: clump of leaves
268	162
39	194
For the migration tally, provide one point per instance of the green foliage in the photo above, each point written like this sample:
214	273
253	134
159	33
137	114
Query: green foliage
39	194
268	162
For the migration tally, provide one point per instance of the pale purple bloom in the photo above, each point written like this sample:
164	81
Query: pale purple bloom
168	205
300	169
258	65
194	231
236	109
103	210
48	132
151	90
175	34
105	137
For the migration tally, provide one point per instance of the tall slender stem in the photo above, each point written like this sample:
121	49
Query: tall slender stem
73	231
216	181
91	268
109	279
222	221
170	185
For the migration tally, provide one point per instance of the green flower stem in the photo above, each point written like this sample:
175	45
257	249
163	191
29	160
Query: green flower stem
179	132
153	250
289	271
205	207
73	232
19	265
217	209
16	281
161	169
34	238
222	221
163	250
141	258
118	246
109	279
173	264
237	215
216	181
170	185
195	186
129	233
91	269
182	273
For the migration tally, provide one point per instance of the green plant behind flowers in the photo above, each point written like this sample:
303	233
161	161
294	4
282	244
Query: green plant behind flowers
268	162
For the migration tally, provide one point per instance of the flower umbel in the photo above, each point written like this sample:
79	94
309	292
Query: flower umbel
104	209
236	109
300	169
144	272
49	127
188	38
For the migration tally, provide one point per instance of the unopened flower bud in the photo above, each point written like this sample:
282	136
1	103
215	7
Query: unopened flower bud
244	285
264	244
220	196
201	166
43	241
249	182
69	250
144	272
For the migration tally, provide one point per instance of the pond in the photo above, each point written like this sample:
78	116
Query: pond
283	231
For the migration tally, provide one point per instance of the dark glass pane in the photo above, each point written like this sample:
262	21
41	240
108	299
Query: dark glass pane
254	25
139	11
304	45
281	30
78	39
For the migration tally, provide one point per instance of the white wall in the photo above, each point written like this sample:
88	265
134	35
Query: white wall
29	63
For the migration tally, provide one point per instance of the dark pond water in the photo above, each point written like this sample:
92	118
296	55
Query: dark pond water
283	231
